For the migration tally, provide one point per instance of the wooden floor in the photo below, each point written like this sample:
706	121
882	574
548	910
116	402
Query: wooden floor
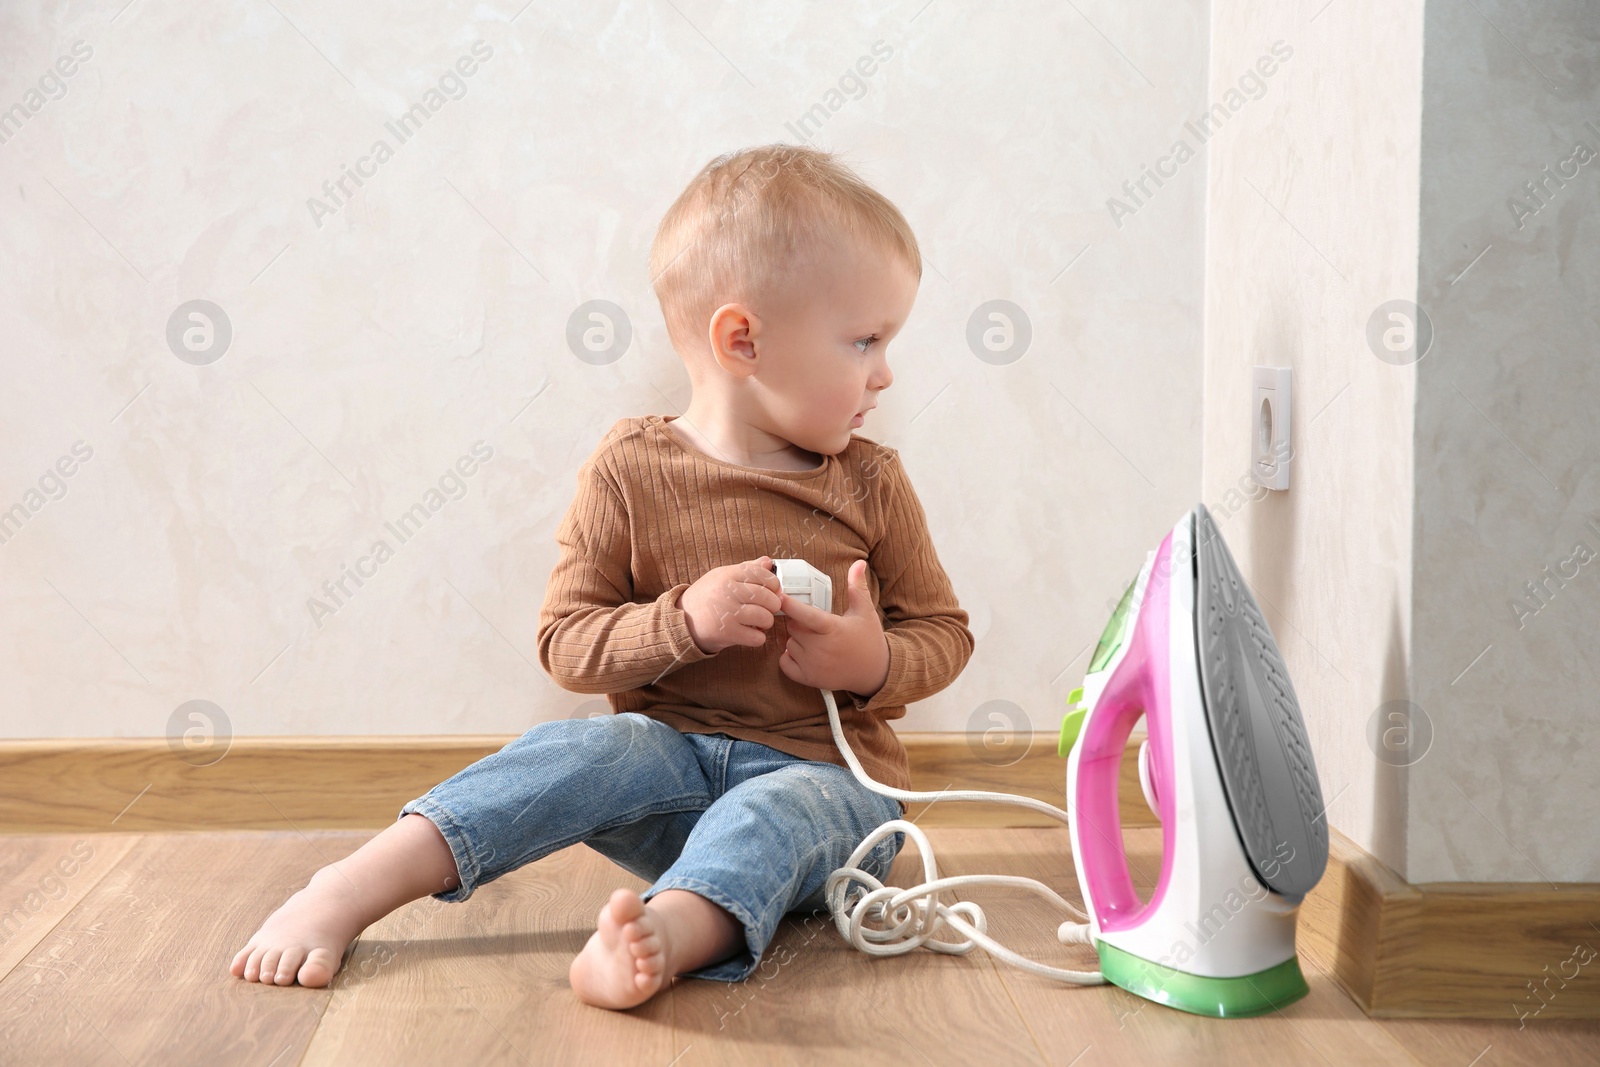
124	961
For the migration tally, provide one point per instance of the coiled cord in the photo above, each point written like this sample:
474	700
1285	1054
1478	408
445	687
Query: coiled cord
917	914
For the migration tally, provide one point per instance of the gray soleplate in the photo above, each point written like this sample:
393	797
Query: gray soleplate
1256	732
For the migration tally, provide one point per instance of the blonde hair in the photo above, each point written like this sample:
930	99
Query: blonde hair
749	218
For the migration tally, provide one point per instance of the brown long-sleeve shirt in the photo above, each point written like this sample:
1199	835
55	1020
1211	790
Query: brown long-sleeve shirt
652	514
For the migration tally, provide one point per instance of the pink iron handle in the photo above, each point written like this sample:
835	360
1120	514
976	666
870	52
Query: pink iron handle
1139	685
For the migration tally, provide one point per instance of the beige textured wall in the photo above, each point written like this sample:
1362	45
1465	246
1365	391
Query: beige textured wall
1311	225
1446	697
1507	546
376	338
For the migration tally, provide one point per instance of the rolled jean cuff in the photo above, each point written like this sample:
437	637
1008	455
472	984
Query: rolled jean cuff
735	968
461	848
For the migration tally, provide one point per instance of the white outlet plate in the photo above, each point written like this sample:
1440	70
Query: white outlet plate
1270	411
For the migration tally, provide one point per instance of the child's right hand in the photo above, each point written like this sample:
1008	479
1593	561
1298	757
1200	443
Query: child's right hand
732	605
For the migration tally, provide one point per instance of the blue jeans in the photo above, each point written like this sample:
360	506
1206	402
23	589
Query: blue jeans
745	826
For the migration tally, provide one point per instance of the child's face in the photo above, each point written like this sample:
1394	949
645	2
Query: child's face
824	357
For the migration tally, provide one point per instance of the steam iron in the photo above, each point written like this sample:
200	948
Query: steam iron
1226	768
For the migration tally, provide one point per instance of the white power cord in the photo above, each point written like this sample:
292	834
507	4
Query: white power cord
917	913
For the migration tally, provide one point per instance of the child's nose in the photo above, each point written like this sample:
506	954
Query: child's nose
882	376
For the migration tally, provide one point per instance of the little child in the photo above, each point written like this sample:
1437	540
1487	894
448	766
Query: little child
782	277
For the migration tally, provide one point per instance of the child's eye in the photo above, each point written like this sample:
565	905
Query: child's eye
867	342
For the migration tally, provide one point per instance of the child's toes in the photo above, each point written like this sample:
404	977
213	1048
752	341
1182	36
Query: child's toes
646	946
269	965
608	927
240	958
625	906
318	968
289	964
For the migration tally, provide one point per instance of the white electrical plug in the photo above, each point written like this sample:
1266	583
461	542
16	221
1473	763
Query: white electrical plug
805	583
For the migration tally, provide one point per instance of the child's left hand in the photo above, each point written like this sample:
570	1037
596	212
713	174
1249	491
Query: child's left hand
828	651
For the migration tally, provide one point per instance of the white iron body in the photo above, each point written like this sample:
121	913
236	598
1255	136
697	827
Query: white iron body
1215	919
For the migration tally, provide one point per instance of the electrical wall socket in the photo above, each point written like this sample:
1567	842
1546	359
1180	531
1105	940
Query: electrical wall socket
1269	426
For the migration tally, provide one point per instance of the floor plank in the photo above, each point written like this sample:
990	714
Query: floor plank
129	965
1493	1043
485	980
44	877
137	971
816	999
1106	1024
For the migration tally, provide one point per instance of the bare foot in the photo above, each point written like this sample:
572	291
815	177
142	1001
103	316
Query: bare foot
305	939
625	962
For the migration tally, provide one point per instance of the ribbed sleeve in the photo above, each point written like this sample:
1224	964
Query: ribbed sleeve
652	514
593	638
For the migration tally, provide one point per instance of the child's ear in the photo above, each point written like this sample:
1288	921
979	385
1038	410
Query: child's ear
732	334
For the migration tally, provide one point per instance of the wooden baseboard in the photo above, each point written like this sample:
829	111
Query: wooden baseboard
1455	950
1473	950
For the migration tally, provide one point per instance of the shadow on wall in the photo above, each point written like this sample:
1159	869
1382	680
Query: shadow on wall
1274	523
1274	520
1391	779
1274	516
